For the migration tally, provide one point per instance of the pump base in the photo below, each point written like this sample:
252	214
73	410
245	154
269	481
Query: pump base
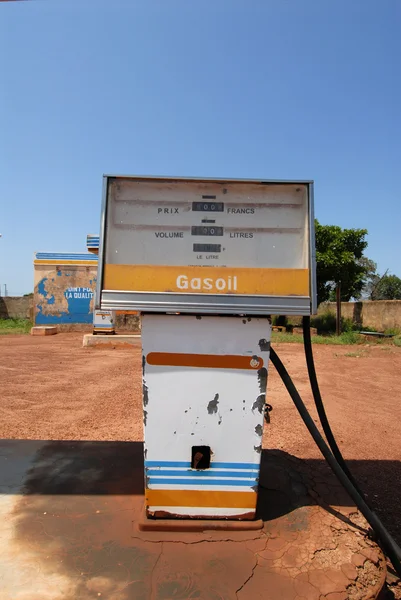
179	524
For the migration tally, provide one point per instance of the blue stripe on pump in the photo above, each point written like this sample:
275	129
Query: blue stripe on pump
196	481
213	465
195	473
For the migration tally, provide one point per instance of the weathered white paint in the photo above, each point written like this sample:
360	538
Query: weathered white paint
196	406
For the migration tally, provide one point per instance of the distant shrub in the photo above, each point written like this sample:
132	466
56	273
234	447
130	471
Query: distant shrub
350	337
326	324
280	320
18	326
393	331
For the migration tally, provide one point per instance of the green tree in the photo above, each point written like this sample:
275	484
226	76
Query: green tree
387	287
339	254
371	277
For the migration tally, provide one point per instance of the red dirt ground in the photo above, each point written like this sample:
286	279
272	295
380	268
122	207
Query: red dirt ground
52	388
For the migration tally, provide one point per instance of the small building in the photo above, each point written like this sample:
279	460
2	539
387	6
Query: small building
64	287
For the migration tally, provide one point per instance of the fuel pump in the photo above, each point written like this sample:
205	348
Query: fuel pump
103	322
207	262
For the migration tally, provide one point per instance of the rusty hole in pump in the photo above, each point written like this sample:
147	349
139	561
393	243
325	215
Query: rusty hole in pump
200	457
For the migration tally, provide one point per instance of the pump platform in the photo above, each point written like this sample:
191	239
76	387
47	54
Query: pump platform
44	330
111	341
69	529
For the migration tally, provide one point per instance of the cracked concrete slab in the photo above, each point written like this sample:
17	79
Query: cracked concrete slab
69	532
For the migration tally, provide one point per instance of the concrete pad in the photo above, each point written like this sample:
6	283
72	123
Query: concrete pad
69	529
44	330
110	341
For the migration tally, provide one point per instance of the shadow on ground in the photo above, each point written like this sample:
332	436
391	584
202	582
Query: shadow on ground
283	478
116	468
73	505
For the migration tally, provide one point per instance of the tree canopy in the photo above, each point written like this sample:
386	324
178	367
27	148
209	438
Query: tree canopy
339	258
387	287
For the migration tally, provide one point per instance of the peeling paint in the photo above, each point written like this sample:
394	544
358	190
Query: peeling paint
262	379
259	403
258	449
145	391
264	345
64	295
213	404
145	394
42	287
259	429
145	417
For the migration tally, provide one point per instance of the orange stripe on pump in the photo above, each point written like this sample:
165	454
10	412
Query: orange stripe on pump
205	361
206	280
201	498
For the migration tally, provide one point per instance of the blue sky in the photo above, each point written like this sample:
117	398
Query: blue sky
273	89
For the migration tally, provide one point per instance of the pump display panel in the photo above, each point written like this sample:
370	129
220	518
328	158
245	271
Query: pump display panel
207	246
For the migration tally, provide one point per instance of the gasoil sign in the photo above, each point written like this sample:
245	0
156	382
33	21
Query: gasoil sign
213	246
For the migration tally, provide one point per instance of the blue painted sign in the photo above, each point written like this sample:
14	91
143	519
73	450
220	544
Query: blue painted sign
58	302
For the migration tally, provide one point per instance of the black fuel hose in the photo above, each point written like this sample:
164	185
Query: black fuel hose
310	363
389	545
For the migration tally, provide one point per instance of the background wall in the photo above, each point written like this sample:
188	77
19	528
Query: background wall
128	322
16	307
380	314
